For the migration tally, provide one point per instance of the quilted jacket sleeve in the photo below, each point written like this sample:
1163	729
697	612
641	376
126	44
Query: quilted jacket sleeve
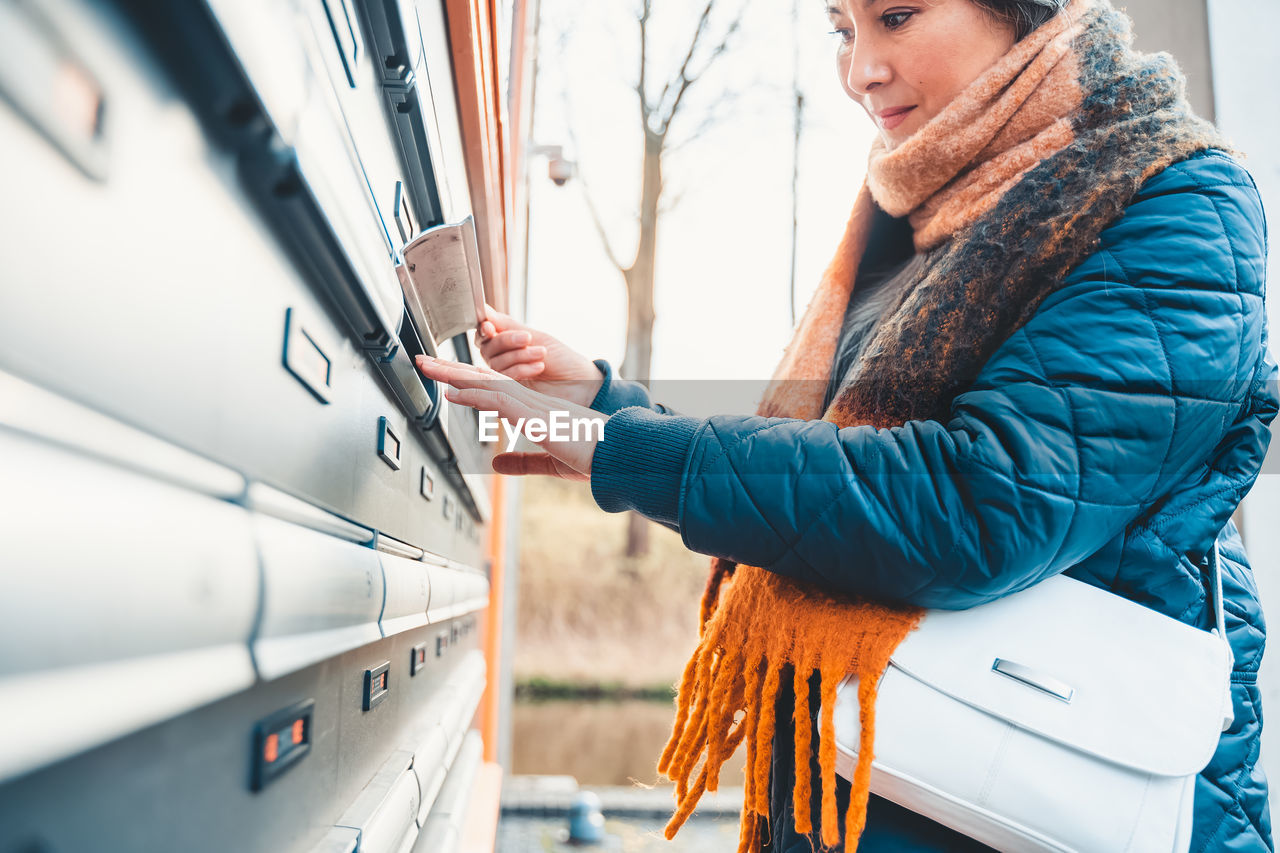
666	448
1124	380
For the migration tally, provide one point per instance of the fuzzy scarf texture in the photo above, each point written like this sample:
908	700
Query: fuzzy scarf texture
1007	189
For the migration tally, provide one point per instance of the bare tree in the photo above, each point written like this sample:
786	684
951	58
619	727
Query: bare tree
658	107
797	126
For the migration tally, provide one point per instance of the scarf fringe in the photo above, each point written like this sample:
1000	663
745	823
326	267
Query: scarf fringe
728	694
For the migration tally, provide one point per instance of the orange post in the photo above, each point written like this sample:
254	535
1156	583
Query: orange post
490	712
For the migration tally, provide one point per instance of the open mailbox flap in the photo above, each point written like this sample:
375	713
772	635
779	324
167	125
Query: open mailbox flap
441	279
1150	712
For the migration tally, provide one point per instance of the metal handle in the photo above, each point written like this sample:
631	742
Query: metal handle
1030	677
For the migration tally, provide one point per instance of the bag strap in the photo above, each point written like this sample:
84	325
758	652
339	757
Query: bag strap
1219	612
1220	628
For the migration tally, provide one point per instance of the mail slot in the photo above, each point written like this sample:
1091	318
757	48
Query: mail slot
339	839
444	823
385	812
408	592
322	597
264	499
430	764
455	704
456	591
416	393
442	593
469	686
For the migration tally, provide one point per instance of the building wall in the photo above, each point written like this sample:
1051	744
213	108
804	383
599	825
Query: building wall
1180	27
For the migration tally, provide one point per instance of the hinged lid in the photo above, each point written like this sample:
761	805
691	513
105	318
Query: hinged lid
441	279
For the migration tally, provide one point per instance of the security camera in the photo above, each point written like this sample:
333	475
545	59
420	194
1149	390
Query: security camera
559	170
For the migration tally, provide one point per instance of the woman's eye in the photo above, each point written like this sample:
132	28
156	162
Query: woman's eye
893	20
845	34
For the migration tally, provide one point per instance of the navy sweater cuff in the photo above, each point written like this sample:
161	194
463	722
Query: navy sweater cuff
640	463
617	393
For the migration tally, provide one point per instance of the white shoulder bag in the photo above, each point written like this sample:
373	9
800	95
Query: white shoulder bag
1061	718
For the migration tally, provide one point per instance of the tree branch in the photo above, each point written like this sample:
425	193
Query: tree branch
717	112
599	224
646	111
605	243
682	79
688	81
671	201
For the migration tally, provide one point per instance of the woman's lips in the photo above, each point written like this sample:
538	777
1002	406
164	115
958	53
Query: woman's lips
889	119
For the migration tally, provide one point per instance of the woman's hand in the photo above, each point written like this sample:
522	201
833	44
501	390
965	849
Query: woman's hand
486	390
537	360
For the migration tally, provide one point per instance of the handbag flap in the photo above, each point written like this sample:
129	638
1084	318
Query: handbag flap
1146	691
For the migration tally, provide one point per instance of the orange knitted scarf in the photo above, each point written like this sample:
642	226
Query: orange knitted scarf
1006	189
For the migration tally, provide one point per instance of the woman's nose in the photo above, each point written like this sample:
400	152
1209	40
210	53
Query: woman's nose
866	70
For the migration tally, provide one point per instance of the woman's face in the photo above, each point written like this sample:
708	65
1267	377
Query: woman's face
904	60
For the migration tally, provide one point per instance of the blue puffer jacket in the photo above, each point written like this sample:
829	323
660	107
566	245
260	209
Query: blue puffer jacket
1110	437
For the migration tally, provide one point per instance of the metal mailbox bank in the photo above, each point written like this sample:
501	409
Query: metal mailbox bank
250	560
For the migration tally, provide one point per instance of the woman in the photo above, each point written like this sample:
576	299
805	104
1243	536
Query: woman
1040	348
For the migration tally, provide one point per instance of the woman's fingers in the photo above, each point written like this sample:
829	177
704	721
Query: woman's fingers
491	400
521	464
460	374
490	386
501	362
494	323
504	342
526	371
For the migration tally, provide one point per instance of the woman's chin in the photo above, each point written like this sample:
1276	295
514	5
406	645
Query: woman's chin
891	139
900	134
902	127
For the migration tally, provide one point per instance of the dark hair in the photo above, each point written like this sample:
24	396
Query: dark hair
1023	15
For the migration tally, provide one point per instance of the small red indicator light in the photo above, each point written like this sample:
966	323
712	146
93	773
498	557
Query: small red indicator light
297	731
271	751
